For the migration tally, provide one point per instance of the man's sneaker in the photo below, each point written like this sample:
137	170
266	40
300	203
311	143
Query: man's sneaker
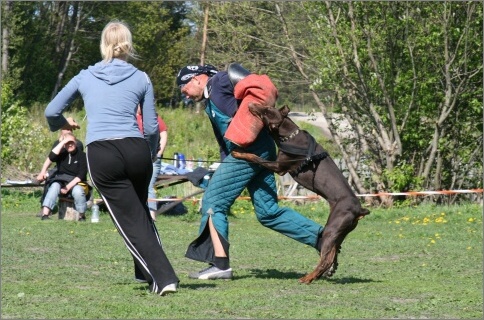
140	280
212	273
46	217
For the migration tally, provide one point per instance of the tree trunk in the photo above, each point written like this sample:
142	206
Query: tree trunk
204	35
69	47
7	9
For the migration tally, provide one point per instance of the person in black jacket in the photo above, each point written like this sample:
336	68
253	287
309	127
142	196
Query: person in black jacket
71	168
44	172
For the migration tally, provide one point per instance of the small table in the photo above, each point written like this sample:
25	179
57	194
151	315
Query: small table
163	181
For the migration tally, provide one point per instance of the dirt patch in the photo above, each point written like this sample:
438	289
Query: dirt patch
13	173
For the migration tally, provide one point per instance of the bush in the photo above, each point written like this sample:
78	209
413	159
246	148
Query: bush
23	140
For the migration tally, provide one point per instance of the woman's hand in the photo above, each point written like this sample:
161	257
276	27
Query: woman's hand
71	124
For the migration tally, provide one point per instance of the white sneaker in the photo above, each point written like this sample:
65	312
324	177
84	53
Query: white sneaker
171	288
212	273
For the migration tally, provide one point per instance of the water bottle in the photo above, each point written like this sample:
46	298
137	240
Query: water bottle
205	181
175	159
95	213
181	161
190	164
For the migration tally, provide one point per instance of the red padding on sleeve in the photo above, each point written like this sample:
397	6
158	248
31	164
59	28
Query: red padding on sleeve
245	127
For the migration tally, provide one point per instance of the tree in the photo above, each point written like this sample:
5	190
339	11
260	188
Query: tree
49	42
391	67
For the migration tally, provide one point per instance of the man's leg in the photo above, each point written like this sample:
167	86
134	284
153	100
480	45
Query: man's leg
80	201
151	189
50	200
287	221
212	245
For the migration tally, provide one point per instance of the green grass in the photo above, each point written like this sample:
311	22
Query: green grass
418	262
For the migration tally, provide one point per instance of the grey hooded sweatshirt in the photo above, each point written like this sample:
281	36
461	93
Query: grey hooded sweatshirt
111	93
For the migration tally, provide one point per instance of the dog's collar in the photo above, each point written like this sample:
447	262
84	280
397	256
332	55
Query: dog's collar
292	135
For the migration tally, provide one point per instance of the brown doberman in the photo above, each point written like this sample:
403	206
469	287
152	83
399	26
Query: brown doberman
312	167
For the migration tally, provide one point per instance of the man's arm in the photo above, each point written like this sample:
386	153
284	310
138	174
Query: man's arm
70	185
42	175
163	141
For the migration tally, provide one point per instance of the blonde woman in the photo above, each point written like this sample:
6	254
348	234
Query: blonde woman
119	158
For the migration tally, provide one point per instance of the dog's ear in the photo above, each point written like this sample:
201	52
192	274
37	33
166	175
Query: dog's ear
284	110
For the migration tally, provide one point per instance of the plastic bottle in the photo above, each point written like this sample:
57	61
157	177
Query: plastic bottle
190	164
175	159
181	161
95	213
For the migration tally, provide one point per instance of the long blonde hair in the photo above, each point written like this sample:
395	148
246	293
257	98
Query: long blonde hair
116	42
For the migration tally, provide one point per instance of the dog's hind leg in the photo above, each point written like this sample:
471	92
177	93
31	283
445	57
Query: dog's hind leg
324	266
343	219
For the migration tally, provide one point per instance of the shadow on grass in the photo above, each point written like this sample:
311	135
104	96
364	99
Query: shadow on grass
276	274
187	285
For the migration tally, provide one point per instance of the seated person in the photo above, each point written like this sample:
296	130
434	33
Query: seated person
71	170
42	176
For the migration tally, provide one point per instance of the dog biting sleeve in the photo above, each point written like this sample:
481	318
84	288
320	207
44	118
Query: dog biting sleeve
245	127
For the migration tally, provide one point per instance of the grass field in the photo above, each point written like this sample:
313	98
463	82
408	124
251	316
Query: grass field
419	262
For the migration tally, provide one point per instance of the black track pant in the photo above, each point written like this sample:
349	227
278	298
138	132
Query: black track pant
121	171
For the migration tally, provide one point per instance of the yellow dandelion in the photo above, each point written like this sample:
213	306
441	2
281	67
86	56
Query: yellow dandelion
432	241
442	214
426	220
397	222
469	248
71	232
470	220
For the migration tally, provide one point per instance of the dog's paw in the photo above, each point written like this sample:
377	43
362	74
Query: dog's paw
307	279
236	154
331	271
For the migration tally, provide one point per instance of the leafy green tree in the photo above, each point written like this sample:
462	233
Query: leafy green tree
49	42
255	35
400	74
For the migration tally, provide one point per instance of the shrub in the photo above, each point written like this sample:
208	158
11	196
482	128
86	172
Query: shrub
22	139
